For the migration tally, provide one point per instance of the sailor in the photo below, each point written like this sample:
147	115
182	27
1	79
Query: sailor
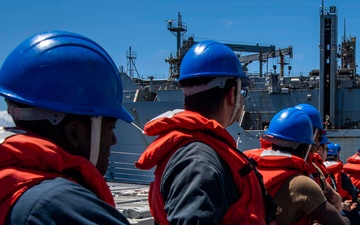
320	157
339	181
333	152
318	170
344	185
322	150
286	173
200	176
352	168
64	94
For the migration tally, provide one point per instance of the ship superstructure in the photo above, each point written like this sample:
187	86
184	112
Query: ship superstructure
333	88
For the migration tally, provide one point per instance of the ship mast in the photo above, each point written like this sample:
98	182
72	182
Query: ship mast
131	68
178	29
328	63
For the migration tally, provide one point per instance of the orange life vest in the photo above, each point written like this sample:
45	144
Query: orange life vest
320	163
276	167
264	143
28	159
314	173
352	169
336	169
177	130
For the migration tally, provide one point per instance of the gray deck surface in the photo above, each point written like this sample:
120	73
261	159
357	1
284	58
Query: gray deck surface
132	201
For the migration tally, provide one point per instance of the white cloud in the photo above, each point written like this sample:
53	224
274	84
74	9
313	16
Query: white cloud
228	23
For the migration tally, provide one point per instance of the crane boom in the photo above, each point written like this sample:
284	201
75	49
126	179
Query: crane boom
278	53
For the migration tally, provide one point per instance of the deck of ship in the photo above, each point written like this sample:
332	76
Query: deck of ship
132	201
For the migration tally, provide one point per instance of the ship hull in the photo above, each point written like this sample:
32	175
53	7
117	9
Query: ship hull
131	142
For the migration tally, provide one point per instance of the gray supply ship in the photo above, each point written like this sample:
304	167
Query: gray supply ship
333	88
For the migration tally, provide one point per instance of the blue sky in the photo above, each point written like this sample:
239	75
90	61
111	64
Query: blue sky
117	24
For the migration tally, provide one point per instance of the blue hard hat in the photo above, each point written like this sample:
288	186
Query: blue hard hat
338	147
64	72
291	124
323	139
212	59
314	115
332	149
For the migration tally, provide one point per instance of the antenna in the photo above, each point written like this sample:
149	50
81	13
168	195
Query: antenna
178	29
344	29
131	67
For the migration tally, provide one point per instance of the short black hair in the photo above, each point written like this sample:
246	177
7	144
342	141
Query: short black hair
300	151
207	103
44	127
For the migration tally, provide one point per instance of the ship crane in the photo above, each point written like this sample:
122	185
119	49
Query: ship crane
179	28
281	53
263	52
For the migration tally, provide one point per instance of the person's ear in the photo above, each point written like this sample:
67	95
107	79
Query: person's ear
231	96
71	133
